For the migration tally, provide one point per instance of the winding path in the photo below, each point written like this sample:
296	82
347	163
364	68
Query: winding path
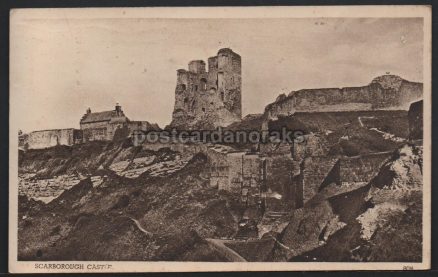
137	223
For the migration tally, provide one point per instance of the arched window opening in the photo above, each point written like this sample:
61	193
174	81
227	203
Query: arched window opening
203	84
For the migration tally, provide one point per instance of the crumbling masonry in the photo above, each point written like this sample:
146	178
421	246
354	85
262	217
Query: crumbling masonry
206	100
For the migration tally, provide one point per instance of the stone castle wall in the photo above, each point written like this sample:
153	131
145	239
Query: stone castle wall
311	145
313	172
319	172
280	189
208	99
50	138
256	178
384	92
96	131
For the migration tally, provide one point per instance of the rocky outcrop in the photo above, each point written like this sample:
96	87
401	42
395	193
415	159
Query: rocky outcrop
384	92
403	171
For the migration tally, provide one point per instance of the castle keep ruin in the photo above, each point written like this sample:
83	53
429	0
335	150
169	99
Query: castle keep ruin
206	100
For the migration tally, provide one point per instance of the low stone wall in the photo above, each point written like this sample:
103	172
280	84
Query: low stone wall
50	138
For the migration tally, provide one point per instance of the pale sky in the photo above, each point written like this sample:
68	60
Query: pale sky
59	67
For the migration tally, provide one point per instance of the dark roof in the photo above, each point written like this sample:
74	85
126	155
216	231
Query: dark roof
101	116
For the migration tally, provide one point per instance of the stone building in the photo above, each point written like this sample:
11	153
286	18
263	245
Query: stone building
208	99
93	126
104	125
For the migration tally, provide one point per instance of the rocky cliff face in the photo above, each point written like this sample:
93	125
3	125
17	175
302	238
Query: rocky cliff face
383	93
364	224
130	203
377	221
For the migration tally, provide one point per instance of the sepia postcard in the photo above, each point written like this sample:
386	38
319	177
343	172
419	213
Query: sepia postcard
220	139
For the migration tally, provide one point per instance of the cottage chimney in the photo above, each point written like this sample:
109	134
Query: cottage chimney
118	109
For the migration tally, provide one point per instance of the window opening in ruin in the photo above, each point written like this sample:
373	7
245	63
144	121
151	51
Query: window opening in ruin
222	95
203	109
203	84
192	107
196	87
220	80
183	86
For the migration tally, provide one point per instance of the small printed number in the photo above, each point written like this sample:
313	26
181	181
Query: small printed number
408	267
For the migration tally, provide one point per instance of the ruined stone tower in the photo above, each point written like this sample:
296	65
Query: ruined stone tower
208	99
